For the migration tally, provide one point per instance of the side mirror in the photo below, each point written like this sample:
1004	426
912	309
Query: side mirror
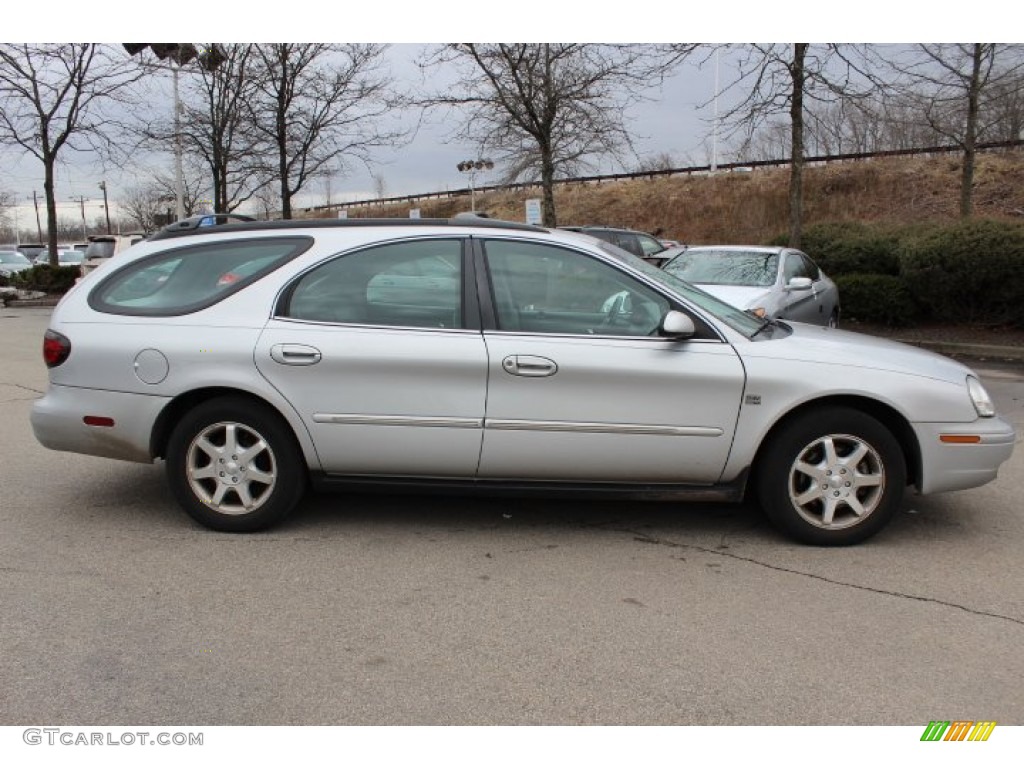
799	284
676	325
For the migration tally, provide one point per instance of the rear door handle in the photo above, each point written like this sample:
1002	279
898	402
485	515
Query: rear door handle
295	354
529	365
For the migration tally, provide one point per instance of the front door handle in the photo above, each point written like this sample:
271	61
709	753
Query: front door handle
529	365
295	354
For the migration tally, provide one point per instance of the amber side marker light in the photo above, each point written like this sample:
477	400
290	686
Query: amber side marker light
960	439
98	421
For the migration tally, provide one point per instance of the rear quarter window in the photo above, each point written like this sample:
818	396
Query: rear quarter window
192	278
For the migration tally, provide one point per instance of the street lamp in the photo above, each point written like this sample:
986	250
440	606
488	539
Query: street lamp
472	167
179	54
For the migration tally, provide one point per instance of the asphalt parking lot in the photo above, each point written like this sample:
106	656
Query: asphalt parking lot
115	608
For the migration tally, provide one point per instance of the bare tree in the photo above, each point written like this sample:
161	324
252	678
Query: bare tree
956	85
785	79
6	202
218	129
52	98
547	110
320	106
143	206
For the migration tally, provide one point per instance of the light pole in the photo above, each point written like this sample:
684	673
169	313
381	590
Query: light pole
106	206
180	54
179	176
472	167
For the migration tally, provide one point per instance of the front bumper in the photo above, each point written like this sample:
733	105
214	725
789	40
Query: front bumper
956	466
58	422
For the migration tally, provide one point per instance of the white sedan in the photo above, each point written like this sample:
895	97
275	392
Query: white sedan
776	283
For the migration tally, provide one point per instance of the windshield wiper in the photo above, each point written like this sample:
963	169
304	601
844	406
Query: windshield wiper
767	323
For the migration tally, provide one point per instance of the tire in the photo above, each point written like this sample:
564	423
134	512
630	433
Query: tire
221	490
833	319
831	477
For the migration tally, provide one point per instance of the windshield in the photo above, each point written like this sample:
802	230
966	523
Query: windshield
735	318
719	267
12	257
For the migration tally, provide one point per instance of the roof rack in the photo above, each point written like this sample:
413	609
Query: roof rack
222	222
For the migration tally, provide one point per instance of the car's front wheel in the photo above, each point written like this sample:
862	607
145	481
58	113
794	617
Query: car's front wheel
832	476
234	465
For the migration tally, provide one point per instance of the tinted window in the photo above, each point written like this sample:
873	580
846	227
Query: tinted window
542	289
812	269
100	249
192	278
650	245
796	267
12	257
411	284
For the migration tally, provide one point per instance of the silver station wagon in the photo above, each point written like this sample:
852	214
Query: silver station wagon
256	358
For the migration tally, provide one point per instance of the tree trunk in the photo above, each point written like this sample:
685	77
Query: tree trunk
51	209
547	182
796	167
971	136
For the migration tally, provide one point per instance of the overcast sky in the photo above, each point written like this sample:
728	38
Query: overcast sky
676	120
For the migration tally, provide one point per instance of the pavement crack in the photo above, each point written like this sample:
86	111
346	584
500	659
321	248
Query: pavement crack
21	386
648	539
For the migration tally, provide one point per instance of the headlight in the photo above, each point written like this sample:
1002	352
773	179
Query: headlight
982	402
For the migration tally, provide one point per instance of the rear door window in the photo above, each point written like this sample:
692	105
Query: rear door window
192	278
409	284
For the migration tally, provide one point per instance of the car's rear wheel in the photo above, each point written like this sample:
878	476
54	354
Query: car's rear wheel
833	319
832	476
234	465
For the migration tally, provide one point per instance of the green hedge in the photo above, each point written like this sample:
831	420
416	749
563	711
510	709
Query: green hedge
44	277
969	272
966	272
883	299
850	247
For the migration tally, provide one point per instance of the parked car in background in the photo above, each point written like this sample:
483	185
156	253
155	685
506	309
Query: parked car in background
30	250
12	262
66	257
103	247
641	244
260	357
776	283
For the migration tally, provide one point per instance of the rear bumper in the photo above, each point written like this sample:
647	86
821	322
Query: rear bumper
956	466
58	422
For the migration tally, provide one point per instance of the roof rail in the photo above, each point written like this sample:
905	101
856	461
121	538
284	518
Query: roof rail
195	225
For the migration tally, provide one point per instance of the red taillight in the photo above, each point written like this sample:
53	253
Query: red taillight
56	348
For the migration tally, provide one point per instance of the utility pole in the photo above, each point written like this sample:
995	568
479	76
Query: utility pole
81	201
39	226
106	207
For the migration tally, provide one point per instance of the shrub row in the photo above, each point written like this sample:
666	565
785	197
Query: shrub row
45	277
969	272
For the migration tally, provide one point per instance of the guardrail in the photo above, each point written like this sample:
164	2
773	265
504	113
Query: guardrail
689	171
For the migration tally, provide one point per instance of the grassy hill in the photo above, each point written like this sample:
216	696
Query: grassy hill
751	207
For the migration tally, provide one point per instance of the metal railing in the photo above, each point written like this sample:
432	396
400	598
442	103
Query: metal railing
688	171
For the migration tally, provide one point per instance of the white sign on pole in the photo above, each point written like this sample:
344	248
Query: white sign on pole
533	215
414	213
